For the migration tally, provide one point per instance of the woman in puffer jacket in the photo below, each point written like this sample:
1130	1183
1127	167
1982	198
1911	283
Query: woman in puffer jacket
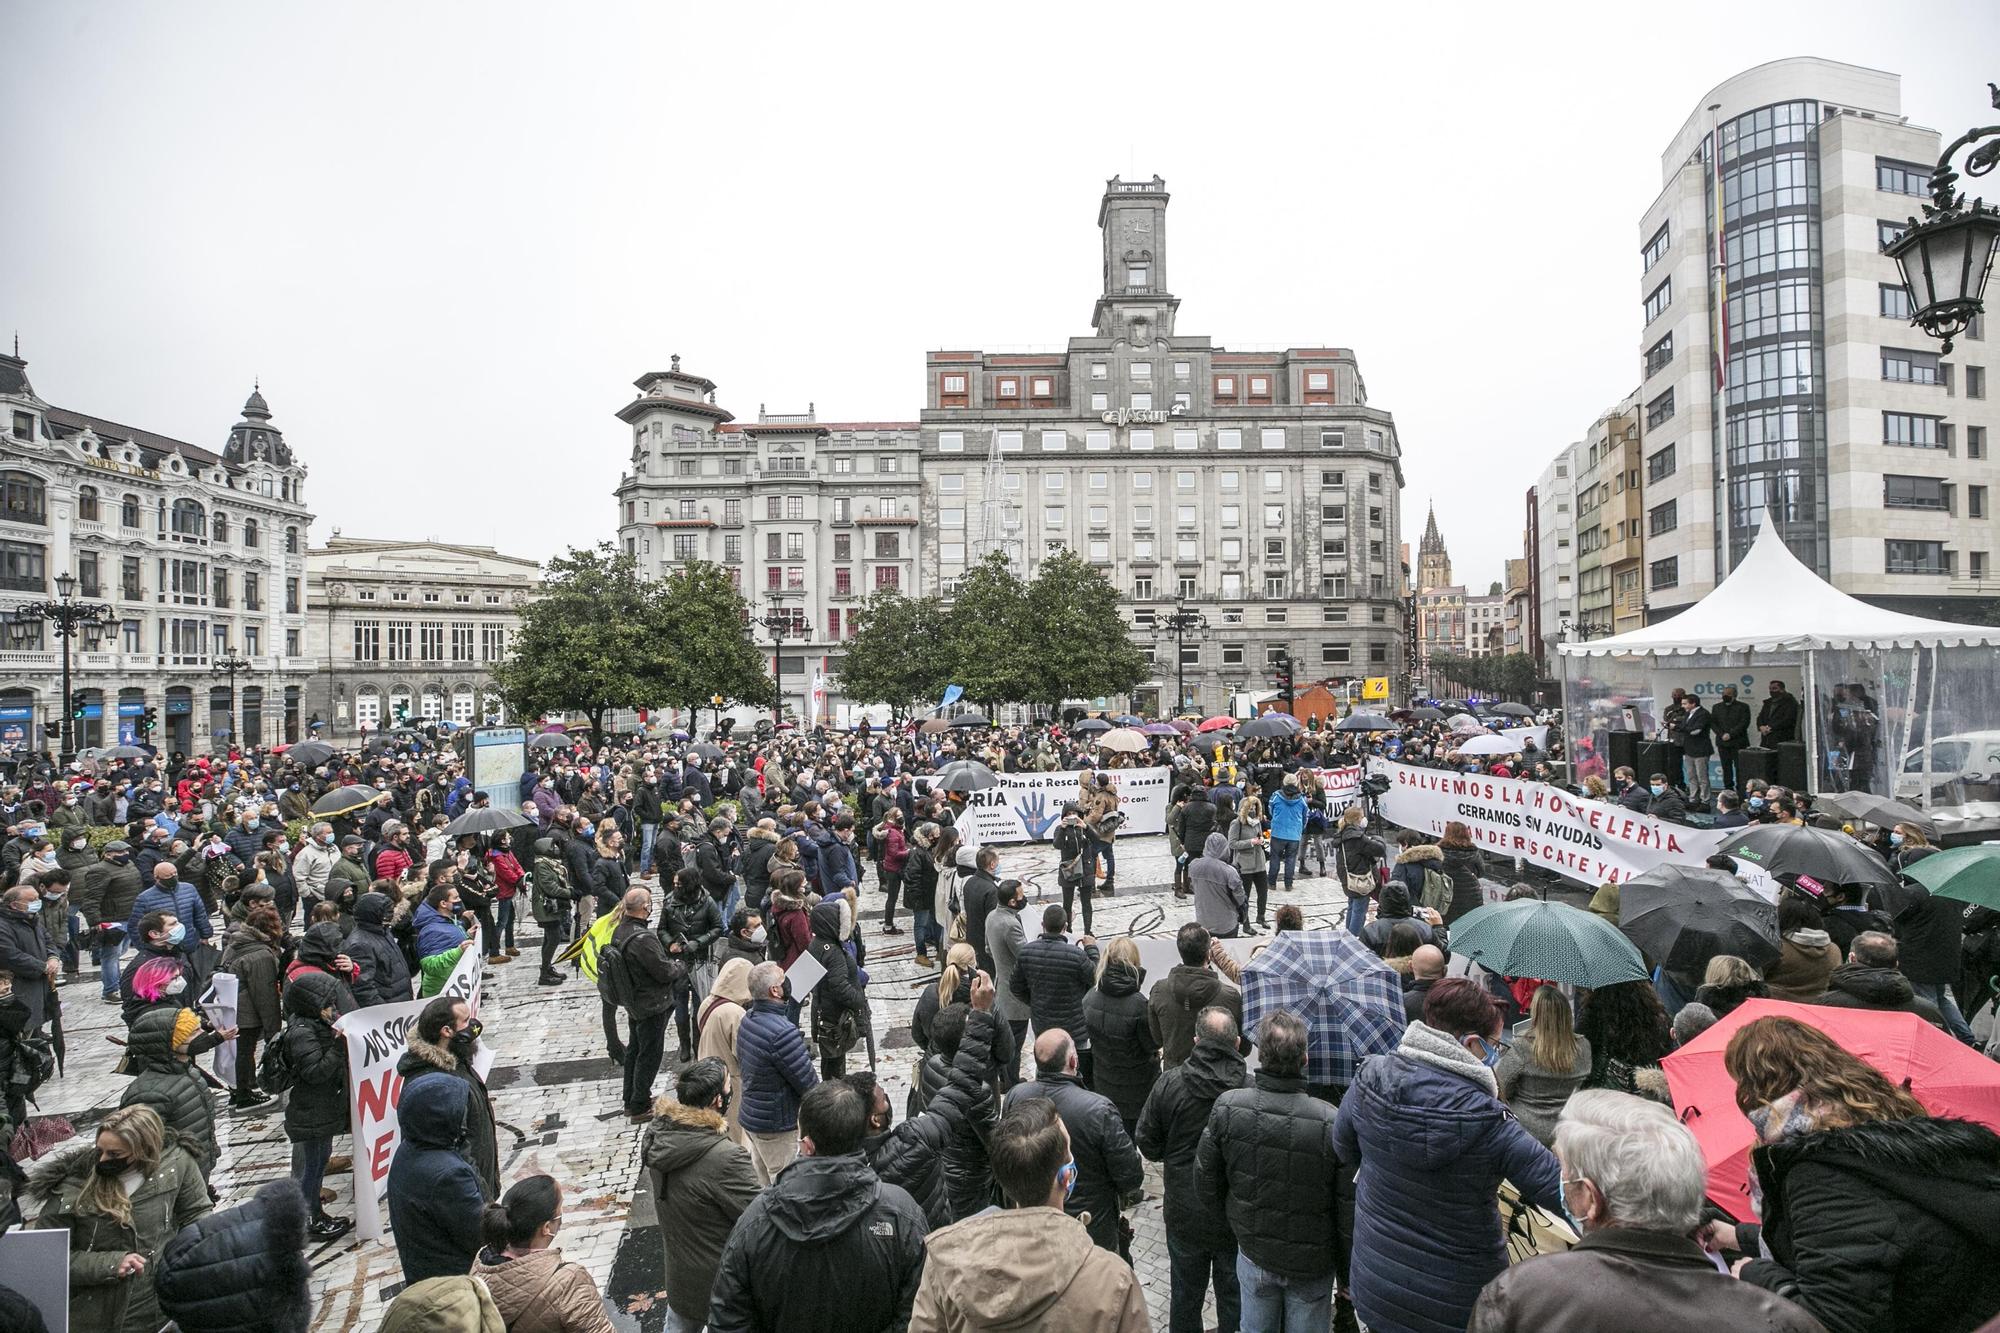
1125	1055
1246	853
535	1288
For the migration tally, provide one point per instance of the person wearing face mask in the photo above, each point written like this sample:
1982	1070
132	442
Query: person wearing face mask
436	1198
442	1045
109	889
748	939
159	973
534	1288
716	1024
160	1054
121	1198
1633	1179
175	896
1031	1259
1666	800
702	1180
313	867
26	954
1431	1141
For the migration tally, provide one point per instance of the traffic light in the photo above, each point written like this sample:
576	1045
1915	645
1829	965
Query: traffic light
148	720
76	705
1282	674
402	713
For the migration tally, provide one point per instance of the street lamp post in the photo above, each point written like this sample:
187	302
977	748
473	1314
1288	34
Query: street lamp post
71	619
782	623
229	664
1946	258
1181	624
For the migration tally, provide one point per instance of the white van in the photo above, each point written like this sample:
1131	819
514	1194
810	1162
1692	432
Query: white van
1953	758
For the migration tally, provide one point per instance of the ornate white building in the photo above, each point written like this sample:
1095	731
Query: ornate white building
200	555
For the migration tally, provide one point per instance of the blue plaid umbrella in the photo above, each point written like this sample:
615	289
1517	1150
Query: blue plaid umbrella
1352	1003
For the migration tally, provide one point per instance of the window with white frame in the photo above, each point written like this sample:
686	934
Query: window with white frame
1097	441
1054	441
1186	439
1142	481
1229	439
951	441
1141	441
1272	437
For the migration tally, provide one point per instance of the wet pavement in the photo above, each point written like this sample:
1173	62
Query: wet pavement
556	1100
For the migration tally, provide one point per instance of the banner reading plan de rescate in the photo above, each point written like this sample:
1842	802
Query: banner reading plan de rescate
1591	841
1026	806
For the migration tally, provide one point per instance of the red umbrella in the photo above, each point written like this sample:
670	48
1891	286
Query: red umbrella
1182	725
1947	1076
1216	723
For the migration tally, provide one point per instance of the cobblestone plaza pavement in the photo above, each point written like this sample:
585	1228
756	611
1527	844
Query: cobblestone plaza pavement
556	1099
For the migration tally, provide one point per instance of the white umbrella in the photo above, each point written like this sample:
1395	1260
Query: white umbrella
1491	745
1125	739
1465	724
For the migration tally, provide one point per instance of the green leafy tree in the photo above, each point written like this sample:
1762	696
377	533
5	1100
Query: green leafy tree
898	653
1081	647
708	650
1506	675
989	636
593	639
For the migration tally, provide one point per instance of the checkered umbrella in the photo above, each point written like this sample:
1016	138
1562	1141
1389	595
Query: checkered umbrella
1548	942
1352	1003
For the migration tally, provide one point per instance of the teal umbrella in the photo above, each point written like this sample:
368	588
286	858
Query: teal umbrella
1969	874
1548	942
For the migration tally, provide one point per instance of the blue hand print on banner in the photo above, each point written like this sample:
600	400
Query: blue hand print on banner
1035	814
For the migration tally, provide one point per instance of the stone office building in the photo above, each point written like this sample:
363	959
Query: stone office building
409	631
808	517
1260	489
199	554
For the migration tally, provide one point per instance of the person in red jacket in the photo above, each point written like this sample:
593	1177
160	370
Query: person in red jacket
895	856
394	857
507	877
789	922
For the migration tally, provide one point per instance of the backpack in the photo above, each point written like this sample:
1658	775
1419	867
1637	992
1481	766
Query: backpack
614	982
275	1070
1437	890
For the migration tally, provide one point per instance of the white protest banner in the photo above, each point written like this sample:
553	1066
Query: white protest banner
1026	806
376	1039
1341	785
1591	841
219	1002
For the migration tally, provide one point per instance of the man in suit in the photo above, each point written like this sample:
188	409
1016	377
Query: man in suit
1778	719
1696	737
1729	722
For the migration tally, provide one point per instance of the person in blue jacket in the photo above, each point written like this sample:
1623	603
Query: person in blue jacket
1288	829
434	1198
1431	1140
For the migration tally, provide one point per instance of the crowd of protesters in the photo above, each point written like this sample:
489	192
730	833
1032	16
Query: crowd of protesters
789	1189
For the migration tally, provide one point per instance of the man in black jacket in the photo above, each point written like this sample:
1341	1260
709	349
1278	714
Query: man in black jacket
109	889
939	1154
981	896
382	974
830	1245
651	981
1191	986
1778	718
1199	1243
1729	720
839	991
1266	1162
713	859
1053	976
1109	1173
691	923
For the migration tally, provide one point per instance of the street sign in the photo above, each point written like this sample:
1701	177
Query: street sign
1375	687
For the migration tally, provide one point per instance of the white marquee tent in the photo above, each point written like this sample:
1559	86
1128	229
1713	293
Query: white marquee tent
1901	676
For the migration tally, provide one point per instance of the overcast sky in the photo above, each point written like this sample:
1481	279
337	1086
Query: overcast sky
449	236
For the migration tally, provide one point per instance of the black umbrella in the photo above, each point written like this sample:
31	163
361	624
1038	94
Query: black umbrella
122	752
1364	722
967	720
346	800
1877	810
964	775
551	740
310	753
491	819
1682	916
1428	714
1512	710
706	752
1829	858
1090	726
1451	706
1266	727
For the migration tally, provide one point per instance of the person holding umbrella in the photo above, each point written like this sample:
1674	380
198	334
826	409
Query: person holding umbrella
1875	1214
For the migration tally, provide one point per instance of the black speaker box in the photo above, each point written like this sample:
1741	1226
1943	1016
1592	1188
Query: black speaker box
1659	757
1755	762
1792	765
1623	749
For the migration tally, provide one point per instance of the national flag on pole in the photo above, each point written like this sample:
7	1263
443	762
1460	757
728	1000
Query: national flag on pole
585	950
952	694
